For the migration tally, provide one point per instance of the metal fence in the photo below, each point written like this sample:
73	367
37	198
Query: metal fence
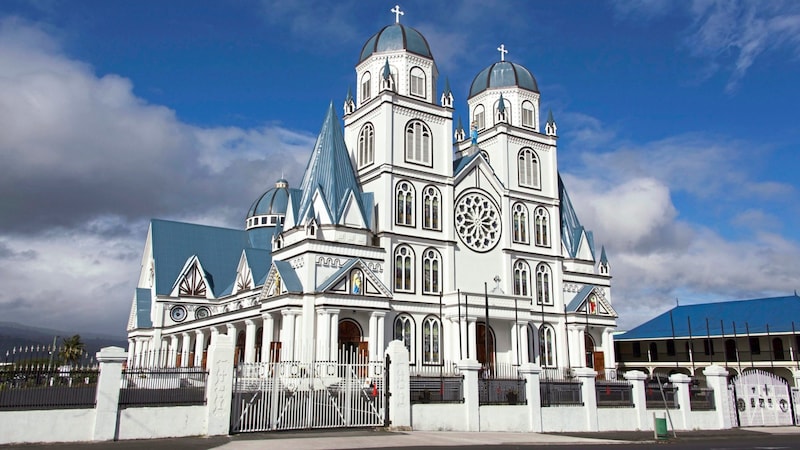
614	394
177	386
436	383
501	384
660	396
701	399
47	387
558	388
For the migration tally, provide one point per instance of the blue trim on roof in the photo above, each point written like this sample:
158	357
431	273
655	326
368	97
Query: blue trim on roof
580	297
259	261
571	228
328	283
143	305
777	312
288	276
603	258
461	163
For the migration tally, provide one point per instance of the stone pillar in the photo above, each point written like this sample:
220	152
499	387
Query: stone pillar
172	355
608	342
220	385
107	399
199	346
470	369
472	339
267	334
524	349
186	349
681	382
372	339
400	400
131	352
287	335
587	378
533	395
637	379
250	341
717	379
334	343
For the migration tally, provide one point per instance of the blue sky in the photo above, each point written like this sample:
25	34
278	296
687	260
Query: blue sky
677	123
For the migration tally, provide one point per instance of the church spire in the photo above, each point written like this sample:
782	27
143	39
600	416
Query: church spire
447	94
501	109
550	128
603	261
387	83
349	102
459	135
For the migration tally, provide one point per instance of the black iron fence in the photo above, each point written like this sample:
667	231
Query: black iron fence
614	394
173	386
701	399
498	391
557	387
661	395
47	387
445	389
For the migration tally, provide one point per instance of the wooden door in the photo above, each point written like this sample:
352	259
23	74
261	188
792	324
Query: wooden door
600	365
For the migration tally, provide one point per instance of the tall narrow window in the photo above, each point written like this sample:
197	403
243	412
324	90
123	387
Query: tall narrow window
777	349
547	346
417	78
418	143
479	117
431	208
542	224
528	168
404	332
431	272
528	117
431	332
404	269
543	294
520	223
405	203
365	87
366	145
521	274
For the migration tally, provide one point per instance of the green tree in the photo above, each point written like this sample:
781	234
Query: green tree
72	349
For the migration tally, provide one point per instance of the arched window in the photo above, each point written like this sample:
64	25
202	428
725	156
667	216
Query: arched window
365	87
404	199
479	117
418	143
404	332
520	222
547	346
431	208
542	223
528	115
417	78
543	295
521	274
366	145
404	269
528	168
431	271
431	333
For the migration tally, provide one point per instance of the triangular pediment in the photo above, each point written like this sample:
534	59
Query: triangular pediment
351	215
192	281
584	248
478	174
595	301
281	279
355	278
244	275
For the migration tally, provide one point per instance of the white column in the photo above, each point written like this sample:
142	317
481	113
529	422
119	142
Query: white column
172	355
717	379
287	335
298	336
131	351
334	335
589	394
220	367
106	407
372	339
324	335
250	341
469	368
199	347
515	356
533	395
185	349
463	339
581	334
637	379
381	335
523	341
611	356
267	332
472	339
681	382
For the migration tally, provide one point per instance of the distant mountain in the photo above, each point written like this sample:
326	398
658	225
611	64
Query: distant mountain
15	335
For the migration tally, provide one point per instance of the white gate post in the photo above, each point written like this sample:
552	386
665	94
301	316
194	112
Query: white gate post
637	378
589	393
219	386
400	398
469	368
681	383
717	379
534	396
107	399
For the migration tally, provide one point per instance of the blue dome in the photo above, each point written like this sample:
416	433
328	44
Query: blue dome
274	201
396	37
503	74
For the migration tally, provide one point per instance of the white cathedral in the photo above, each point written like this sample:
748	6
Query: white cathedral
462	244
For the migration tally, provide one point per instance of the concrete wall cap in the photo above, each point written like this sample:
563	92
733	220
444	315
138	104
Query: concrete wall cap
634	375
715	371
530	368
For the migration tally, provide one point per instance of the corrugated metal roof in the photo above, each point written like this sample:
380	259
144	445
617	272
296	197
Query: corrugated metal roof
576	301
396	37
290	280
328	283
218	250
571	228
143	300
502	74
777	312
259	261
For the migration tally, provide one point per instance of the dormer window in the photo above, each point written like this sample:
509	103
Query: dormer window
417	78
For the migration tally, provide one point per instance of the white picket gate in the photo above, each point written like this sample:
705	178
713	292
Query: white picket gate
762	399
297	395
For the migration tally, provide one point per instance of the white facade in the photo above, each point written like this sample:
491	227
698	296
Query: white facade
427	234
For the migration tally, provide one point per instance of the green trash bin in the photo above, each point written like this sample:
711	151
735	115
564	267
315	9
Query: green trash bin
660	427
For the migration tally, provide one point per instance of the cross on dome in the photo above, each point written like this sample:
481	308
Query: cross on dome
503	51
397	13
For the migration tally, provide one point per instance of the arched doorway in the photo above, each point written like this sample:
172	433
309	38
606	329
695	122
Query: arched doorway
485	345
350	341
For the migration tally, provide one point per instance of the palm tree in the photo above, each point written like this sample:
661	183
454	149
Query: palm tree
72	349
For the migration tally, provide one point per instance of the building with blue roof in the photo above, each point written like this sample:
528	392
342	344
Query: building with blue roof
741	335
401	228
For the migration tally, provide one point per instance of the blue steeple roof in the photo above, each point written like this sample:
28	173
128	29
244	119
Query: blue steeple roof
603	258
330	172
571	228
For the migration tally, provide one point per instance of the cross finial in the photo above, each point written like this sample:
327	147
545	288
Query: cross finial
503	51
397	13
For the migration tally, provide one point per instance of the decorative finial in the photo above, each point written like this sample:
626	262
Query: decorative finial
397	13
503	51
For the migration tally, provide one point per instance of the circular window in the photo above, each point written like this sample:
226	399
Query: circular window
178	313
478	222
201	313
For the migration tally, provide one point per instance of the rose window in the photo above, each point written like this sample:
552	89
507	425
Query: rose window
477	222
